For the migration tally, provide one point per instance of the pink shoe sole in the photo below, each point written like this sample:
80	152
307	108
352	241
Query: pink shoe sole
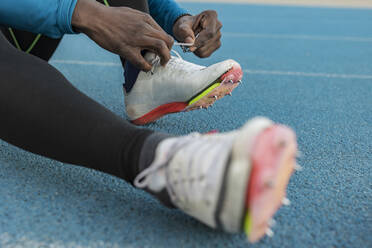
273	161
226	84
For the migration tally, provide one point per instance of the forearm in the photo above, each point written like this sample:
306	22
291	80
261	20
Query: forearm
165	13
48	17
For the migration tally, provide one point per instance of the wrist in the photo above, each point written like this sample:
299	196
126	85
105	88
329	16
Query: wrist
85	15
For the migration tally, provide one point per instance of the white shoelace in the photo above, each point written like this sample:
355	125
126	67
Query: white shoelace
156	177
156	61
142	180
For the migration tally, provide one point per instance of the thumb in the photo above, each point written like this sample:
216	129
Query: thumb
189	39
186	34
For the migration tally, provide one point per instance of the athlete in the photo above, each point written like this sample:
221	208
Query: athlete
234	181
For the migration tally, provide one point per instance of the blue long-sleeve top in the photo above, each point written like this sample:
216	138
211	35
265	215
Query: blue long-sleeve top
53	17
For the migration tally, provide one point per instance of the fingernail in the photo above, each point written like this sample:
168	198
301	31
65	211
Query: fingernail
192	49
189	40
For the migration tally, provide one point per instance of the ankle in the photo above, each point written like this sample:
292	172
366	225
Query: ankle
147	157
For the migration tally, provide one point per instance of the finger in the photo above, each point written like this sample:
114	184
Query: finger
192	49
160	48
156	31
218	26
205	36
156	45
207	51
204	44
136	59
186	34
209	25
209	21
161	35
152	22
197	26
169	42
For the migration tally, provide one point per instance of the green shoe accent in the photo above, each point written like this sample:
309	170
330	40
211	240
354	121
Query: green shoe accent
247	224
204	93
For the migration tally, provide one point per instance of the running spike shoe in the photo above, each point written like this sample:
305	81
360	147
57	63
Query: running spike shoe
179	86
233	181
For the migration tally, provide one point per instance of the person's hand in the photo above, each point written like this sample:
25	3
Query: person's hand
206	25
123	31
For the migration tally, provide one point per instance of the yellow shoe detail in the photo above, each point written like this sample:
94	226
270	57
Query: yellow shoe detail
247	224
204	93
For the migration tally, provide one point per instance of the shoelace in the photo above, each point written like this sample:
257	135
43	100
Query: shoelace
156	61
185	183
160	178
143	179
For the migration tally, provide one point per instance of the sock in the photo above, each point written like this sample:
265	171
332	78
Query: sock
147	156
131	153
130	76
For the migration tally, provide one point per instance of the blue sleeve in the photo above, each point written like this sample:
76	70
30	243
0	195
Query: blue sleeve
49	17
165	13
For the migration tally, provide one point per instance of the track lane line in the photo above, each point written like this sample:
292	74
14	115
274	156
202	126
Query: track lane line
82	62
249	71
307	74
298	37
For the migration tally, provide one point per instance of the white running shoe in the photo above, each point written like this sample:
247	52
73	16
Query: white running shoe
234	181
179	86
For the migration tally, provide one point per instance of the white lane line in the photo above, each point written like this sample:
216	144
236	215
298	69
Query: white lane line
308	3
249	71
298	37
308	74
80	62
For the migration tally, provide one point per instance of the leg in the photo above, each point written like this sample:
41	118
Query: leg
44	47
43	113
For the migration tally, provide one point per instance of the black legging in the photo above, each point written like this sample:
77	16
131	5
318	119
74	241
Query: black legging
43	113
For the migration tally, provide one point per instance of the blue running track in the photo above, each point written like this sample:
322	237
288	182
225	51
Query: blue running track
309	68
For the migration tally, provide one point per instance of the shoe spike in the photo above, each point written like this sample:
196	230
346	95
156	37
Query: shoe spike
271	223
286	201
298	154
231	82
269	232
298	167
